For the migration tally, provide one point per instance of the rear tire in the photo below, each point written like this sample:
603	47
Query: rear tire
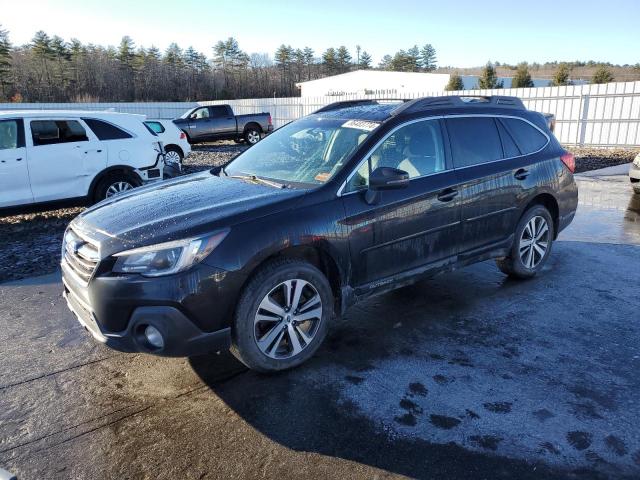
531	245
252	135
113	184
287	332
173	155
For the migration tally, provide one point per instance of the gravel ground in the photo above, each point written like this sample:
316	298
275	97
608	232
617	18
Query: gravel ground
30	243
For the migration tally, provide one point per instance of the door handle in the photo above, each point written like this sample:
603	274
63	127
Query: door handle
521	174
19	159
447	194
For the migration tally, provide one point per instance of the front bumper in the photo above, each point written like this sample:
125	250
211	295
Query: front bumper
192	310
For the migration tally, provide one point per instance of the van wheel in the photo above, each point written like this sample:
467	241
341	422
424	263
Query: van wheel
282	317
113	184
532	244
252	135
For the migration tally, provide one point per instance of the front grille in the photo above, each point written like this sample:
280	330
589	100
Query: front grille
80	255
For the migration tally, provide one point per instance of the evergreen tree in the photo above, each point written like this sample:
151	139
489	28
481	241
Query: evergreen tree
343	59
489	79
455	83
5	62
330	61
428	58
405	61
602	75
561	77
385	63
522	78
308	60
365	61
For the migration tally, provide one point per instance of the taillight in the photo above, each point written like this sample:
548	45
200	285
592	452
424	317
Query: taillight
270	123
569	160
183	135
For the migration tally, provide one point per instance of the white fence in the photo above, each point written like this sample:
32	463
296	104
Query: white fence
605	115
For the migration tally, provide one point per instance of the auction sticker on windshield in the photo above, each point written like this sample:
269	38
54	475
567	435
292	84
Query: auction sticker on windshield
365	125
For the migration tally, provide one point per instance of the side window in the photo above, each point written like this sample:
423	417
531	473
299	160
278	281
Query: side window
474	140
49	132
415	148
528	138
200	113
157	127
508	144
104	130
11	134
218	111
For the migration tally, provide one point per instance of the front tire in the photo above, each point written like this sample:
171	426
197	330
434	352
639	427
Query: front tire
636	189
282	317
531	246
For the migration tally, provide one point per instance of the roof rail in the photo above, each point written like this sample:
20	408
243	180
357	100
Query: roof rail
426	103
356	103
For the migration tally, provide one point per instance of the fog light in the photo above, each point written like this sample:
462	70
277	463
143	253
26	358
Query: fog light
153	336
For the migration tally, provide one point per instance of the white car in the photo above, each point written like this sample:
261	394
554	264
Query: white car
47	156
634	174
176	145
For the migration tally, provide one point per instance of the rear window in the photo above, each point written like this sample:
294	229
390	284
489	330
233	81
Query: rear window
474	140
49	132
157	127
105	130
528	138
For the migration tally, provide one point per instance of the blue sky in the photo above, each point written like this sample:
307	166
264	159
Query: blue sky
464	33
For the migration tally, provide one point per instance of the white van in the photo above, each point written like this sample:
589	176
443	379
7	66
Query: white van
57	155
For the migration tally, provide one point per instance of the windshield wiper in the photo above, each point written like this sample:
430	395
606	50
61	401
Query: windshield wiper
255	178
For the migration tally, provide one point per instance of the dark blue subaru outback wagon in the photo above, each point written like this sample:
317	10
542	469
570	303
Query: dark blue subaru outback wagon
356	199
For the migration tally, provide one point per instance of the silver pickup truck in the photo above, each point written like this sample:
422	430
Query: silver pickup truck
218	122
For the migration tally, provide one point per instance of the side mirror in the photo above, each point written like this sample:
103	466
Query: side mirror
385	178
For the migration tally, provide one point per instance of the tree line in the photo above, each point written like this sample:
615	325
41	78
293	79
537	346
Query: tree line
51	69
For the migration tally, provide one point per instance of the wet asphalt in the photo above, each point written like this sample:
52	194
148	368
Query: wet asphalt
466	375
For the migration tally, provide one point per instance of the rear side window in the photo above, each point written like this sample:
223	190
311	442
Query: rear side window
11	134
49	132
508	143
157	127
474	140
219	111
528	138
105	130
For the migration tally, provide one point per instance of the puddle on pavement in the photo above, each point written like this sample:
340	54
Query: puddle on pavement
608	212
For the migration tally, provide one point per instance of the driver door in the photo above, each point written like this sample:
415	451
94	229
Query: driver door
200	123
409	229
15	188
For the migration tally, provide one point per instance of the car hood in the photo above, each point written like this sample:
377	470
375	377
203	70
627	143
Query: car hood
180	208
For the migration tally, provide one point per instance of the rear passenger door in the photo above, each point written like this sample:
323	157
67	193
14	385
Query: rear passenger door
487	182
56	151
223	122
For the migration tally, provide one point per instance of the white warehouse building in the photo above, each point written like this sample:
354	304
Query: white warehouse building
374	83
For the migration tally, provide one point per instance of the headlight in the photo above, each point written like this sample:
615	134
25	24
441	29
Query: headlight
167	258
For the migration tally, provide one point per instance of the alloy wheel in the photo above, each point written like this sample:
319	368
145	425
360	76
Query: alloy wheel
288	319
118	187
172	157
253	136
534	242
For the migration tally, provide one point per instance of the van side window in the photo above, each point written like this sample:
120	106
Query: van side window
104	130
474	140
415	148
528	138
11	134
49	132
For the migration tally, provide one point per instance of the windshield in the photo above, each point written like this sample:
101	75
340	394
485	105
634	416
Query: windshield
308	151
